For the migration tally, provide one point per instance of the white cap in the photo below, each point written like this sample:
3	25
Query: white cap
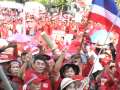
65	82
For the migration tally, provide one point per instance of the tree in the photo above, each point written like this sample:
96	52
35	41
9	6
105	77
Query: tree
45	2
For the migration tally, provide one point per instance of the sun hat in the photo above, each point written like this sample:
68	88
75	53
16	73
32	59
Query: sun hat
7	55
65	82
6	58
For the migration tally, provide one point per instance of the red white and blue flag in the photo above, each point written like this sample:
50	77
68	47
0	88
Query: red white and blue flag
105	12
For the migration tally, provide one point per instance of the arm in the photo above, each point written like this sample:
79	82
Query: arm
58	65
27	64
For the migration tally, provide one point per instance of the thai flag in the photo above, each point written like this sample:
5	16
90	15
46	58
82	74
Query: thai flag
105	12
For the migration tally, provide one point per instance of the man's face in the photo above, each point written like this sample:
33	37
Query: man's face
39	66
113	69
15	68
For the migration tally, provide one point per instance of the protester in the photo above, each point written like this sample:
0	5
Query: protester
40	68
38	76
15	77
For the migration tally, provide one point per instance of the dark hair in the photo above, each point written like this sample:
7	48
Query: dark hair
66	67
75	56
43	57
24	53
113	51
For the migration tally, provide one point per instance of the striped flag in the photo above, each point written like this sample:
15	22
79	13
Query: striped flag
105	12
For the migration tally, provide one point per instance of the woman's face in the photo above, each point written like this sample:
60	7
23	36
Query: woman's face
15	68
26	57
113	69
69	72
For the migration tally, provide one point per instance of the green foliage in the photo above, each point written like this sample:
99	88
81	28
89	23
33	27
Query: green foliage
118	3
53	2
59	2
42	1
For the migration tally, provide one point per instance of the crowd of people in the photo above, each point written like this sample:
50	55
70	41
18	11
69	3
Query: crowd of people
74	62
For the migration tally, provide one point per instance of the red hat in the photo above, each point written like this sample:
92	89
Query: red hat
10	53
6	58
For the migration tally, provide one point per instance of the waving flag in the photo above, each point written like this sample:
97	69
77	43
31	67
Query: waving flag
105	12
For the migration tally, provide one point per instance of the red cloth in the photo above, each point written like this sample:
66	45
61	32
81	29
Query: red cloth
17	80
41	79
77	77
69	28
105	61
102	87
110	84
74	47
118	55
6	57
60	44
3	32
48	28
86	68
57	84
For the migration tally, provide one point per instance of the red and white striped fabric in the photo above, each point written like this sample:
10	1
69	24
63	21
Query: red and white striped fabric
106	13
6	58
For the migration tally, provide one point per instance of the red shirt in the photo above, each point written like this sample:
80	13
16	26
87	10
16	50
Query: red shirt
48	29
18	81
57	84
74	47
110	84
40	79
